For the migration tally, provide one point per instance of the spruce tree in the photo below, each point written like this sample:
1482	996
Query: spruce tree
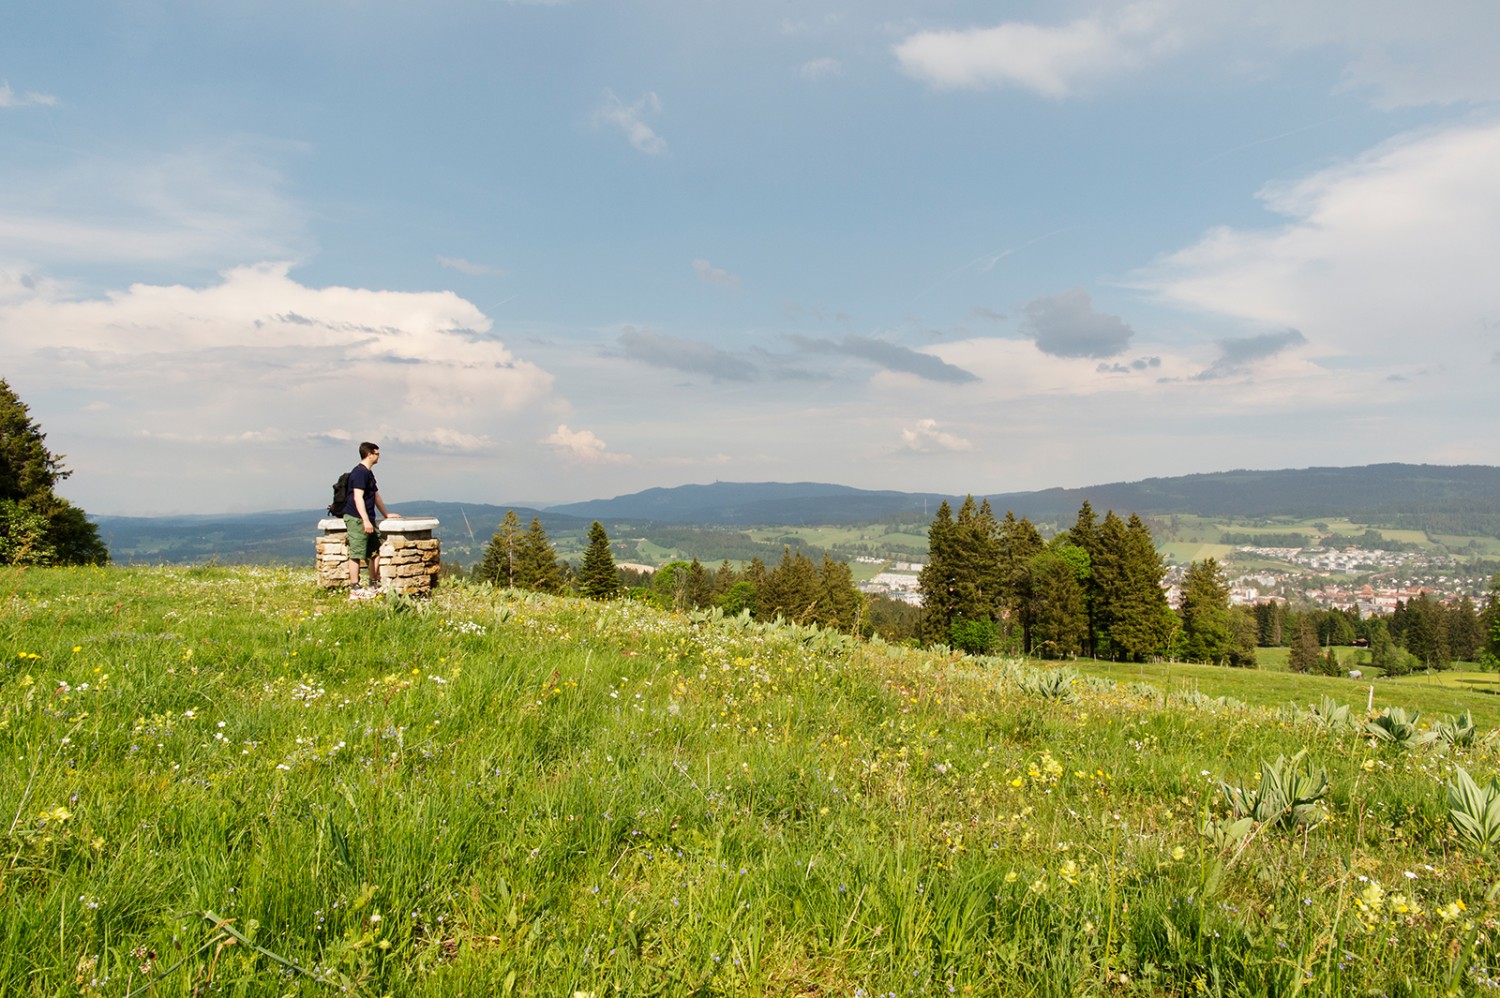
36	525
1489	622
1270	621
938	579
840	604
1141	621
537	567
1019	542
597	578
1207	624
1425	634
700	587
1304	655
499	564
1086	534
792	589
1465	637
1056	616
1242	639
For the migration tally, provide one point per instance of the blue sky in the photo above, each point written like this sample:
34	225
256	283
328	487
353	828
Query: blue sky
553	251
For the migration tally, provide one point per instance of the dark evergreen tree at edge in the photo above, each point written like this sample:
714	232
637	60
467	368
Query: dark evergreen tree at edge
596	574
38	527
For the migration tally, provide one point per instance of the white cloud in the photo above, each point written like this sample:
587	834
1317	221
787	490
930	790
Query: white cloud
628	119
825	68
583	446
709	274
1051	60
9	98
259	352
927	438
1403	53
1388	259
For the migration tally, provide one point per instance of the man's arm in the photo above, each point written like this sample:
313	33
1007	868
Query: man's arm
364	514
380	505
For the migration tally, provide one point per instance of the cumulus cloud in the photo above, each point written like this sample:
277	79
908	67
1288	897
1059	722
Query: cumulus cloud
825	68
1066	325
1404	55
709	274
629	119
659	350
888	356
9	98
258	351
582	446
1236	355
927	438
1051	60
1388	256
468	267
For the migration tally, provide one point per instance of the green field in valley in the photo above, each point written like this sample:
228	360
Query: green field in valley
227	781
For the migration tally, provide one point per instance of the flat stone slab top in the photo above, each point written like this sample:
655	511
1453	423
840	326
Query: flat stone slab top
390	525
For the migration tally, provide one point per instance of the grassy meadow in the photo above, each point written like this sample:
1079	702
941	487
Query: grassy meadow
226	781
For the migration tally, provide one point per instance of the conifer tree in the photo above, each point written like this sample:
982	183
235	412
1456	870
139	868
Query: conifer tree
1108	562
1056	617
537	567
938	579
700	588
597	578
1086	535
840	604
791	589
1425	633
1242	639
1140	619
1207	626
1270	621
1303	655
1465	636
1489	622
1019	542
36	525
499	564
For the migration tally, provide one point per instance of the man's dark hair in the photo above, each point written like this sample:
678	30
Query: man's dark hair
366	449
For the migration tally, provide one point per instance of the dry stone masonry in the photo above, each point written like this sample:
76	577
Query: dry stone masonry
410	557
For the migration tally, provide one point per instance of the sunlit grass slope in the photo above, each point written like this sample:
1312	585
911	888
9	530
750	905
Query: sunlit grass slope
227	782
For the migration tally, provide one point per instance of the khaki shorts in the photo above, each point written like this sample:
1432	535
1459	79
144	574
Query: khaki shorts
361	544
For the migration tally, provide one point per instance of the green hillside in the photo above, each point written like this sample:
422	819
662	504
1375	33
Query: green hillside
226	781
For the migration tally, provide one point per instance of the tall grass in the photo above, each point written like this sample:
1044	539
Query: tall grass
219	781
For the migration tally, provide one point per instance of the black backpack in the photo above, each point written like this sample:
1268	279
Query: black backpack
340	496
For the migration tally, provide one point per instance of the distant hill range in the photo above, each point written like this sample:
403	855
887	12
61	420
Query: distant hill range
1378	491
1463	499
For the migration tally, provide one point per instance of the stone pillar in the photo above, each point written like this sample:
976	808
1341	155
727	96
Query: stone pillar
410	557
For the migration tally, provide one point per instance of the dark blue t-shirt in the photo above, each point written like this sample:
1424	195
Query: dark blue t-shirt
361	478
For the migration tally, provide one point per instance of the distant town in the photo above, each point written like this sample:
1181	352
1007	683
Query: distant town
1349	578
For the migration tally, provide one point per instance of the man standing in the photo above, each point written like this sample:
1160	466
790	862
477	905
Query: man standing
359	515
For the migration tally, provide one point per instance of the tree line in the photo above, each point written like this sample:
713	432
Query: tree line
1094	589
797	588
1421	633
